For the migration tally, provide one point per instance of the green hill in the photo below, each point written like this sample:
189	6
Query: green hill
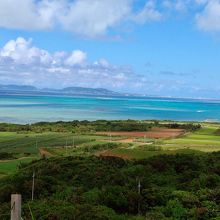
182	186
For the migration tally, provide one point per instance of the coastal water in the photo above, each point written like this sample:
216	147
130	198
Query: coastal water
35	108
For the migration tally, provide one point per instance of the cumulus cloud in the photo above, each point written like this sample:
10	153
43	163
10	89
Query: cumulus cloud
209	18
21	51
23	63
28	14
76	57
92	18
148	13
177	5
205	12
84	17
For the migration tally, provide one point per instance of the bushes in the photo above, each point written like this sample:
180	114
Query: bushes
78	126
93	126
97	147
186	126
172	187
6	156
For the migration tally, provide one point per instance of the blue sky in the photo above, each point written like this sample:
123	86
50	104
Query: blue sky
164	48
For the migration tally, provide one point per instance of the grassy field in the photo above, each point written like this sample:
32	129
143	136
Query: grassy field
26	146
205	140
30	142
10	166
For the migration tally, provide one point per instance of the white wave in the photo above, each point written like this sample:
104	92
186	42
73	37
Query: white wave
159	109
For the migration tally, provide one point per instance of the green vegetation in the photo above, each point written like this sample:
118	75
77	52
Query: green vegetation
80	138
205	139
10	166
141	153
6	156
94	126
29	142
20	147
181	186
81	174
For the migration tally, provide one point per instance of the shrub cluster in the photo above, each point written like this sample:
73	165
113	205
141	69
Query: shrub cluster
174	187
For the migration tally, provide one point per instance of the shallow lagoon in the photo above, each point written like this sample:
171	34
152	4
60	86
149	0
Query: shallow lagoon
34	108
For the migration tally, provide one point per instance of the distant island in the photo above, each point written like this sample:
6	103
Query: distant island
13	89
23	89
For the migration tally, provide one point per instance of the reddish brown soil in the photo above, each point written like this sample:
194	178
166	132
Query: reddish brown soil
153	133
45	153
128	140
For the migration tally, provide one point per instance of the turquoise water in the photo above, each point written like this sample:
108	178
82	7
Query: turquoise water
29	109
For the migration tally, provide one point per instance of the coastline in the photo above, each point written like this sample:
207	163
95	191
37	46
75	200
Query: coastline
29	108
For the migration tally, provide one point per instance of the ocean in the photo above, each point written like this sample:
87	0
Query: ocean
34	108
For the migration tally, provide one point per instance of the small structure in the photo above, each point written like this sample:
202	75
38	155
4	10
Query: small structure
15	207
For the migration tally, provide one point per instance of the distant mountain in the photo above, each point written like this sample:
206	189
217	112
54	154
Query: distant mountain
88	91
18	88
66	91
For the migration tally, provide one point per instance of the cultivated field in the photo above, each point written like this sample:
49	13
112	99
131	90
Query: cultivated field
153	133
23	147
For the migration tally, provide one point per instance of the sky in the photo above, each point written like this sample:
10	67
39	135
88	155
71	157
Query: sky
153	47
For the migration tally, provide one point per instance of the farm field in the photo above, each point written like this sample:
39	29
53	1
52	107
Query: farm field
26	146
206	139
30	142
153	133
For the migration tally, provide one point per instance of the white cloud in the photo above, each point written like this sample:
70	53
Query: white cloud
23	63
102	62
28	14
148	13
209	18
83	17
76	57
92	18
201	2
205	12
21	51
179	5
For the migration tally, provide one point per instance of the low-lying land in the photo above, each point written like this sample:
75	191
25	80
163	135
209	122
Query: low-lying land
152	133
118	151
127	139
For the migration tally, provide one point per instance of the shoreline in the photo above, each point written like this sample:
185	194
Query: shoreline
115	120
26	109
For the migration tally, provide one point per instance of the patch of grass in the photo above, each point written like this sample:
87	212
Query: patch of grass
204	139
10	166
12	142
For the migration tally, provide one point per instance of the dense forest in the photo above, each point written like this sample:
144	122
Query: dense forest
95	126
174	187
